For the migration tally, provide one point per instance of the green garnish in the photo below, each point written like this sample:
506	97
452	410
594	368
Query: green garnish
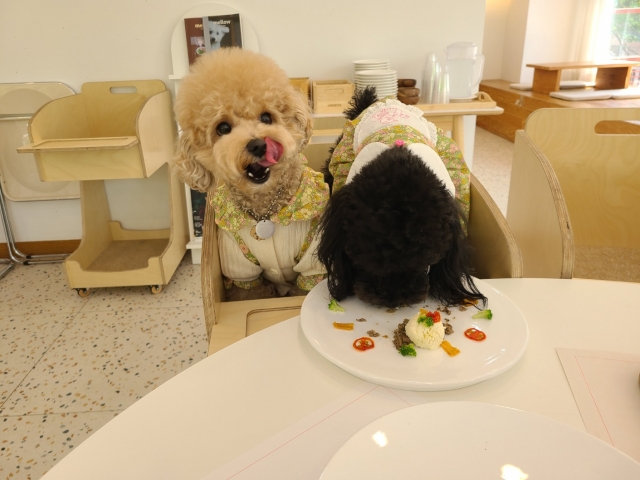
424	319
484	314
408	350
335	306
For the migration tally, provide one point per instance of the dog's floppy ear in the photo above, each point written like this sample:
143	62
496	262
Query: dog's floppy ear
331	248
187	167
450	279
300	113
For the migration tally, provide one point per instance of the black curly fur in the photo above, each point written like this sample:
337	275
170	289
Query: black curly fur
381	232
361	100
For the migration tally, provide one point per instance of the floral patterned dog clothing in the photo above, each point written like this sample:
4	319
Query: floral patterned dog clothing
390	122
285	258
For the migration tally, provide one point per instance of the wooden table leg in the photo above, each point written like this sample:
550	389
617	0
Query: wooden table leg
613	77
546	81
457	132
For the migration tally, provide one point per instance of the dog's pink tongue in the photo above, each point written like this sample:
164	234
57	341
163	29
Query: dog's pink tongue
273	153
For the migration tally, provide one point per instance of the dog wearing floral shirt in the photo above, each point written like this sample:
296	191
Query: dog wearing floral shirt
393	232
243	129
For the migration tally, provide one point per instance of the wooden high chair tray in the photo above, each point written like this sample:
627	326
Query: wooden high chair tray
74	144
111	130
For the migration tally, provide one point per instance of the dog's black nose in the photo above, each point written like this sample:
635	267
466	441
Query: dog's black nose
257	147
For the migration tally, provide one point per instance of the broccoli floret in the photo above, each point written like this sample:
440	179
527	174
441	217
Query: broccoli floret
408	350
428	321
335	306
484	314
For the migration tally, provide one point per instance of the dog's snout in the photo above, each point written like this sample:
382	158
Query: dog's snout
257	147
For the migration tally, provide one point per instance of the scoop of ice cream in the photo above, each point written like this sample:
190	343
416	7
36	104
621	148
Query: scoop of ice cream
424	336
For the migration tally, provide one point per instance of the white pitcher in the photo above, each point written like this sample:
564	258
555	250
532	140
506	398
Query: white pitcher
465	69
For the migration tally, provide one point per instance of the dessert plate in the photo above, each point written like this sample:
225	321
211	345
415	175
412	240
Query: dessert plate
430	370
463	440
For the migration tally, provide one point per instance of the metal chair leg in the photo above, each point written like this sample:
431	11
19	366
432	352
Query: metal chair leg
9	266
16	255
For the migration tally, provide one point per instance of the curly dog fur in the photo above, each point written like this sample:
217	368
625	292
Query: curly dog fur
230	103
394	235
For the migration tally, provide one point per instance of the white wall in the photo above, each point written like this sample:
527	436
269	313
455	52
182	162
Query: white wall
514	38
495	26
518	32
76	41
549	34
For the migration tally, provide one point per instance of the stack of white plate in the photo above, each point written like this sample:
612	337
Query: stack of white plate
385	81
375	64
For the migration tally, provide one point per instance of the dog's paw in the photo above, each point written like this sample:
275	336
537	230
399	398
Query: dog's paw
296	291
265	290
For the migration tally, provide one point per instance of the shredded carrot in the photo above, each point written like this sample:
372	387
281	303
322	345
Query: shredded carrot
343	326
450	349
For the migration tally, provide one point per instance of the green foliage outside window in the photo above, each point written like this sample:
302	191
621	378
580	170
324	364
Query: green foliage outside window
625	30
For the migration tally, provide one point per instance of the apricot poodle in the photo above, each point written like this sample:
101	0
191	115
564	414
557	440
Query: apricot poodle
244	127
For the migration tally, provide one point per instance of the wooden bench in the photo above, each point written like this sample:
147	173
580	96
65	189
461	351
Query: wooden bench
610	75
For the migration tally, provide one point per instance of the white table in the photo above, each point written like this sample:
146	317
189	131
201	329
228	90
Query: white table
243	395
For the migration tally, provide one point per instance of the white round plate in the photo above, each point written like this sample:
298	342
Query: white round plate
390	84
393	82
364	78
371	61
468	440
375	73
372	66
431	370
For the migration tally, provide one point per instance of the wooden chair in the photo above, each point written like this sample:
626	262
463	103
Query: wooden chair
496	255
574	199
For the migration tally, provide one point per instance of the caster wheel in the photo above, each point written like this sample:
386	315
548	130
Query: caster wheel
155	289
83	292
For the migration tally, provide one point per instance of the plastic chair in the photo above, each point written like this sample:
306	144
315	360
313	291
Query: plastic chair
574	199
18	175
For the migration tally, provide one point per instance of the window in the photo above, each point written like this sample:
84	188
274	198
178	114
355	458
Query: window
625	34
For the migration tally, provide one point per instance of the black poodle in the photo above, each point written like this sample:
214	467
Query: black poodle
394	234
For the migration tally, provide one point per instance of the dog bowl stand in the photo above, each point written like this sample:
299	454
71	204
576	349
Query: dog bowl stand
111	131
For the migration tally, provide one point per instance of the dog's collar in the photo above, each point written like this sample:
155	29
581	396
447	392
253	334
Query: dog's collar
307	203
427	154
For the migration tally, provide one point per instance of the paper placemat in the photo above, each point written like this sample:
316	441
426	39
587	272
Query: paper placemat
606	388
286	455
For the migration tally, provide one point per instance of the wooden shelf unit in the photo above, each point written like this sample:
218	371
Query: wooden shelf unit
113	130
609	75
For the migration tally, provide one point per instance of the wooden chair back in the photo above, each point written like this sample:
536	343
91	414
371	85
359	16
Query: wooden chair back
574	197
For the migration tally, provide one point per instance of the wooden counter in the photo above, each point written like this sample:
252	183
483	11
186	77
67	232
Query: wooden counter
519	104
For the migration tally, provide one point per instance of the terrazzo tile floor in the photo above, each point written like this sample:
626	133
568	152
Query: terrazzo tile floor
68	364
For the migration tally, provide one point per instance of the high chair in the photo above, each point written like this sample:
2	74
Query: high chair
495	255
123	133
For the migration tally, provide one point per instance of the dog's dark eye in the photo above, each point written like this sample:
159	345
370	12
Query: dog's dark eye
266	118
223	128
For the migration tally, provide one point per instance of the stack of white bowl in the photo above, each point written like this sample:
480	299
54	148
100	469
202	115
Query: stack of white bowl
376	73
